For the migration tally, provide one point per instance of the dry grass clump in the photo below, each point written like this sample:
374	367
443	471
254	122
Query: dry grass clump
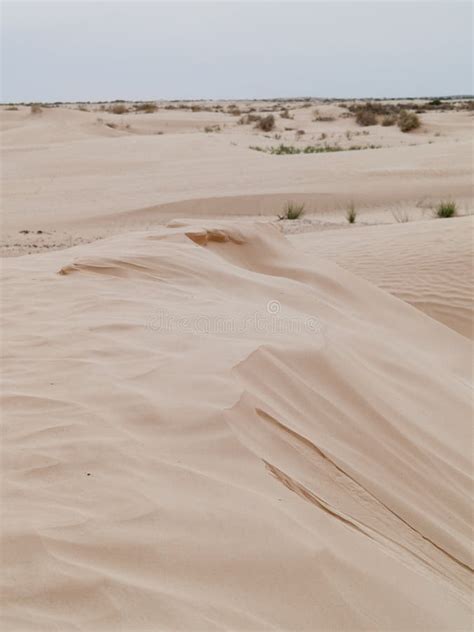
446	208
407	121
292	211
388	120
36	108
234	110
212	128
266	124
322	118
285	114
146	108
366	117
249	118
351	213
118	108
11	108
400	216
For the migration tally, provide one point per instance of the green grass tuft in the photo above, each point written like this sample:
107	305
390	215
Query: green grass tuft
292	211
351	213
447	208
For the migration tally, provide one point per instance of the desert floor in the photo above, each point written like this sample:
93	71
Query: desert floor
216	420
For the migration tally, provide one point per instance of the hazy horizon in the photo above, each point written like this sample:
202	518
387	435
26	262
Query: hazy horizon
103	51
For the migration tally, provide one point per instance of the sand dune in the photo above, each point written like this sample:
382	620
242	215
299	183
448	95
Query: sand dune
66	171
303	463
427	264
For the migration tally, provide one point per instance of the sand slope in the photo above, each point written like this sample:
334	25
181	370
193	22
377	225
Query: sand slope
427	264
207	430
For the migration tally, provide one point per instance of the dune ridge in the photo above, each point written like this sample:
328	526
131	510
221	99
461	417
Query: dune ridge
311	427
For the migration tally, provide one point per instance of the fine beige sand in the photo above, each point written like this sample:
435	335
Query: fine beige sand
67	174
234	423
427	264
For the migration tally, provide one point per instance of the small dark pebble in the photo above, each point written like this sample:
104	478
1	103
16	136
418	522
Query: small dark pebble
88	473
39	232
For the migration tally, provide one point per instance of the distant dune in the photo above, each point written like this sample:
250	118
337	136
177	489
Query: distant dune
82	175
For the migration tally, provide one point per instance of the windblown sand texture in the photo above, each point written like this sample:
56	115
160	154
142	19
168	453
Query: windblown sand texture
211	425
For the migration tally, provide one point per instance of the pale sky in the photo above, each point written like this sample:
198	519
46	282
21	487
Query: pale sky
70	51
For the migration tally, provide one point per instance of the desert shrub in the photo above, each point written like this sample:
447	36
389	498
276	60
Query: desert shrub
10	108
351	213
285	114
212	128
376	107
366	117
299	133
388	120
249	118
83	108
36	108
446	208
267	123
408	121
147	108
292	210
118	108
400	216
322	118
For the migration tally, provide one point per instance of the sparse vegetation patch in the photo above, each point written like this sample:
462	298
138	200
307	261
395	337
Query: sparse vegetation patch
292	211
282	149
118	108
146	108
388	120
